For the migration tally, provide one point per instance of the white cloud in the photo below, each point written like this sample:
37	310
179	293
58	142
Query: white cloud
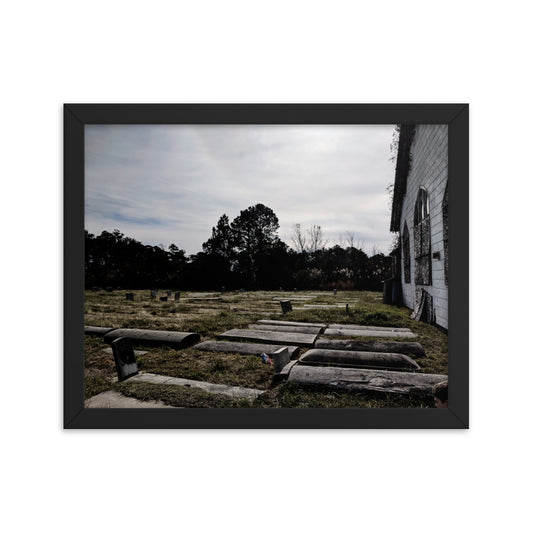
171	184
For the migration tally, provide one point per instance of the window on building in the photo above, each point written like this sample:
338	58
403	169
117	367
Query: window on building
406	252
422	239
422	206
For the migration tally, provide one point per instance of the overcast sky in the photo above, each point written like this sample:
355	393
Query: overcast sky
170	184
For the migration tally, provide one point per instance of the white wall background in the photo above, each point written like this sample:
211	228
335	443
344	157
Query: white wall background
237	51
429	169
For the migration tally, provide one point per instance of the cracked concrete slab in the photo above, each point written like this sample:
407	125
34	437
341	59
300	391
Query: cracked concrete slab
114	400
214	388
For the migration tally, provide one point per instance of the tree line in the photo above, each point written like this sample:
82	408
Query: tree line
244	253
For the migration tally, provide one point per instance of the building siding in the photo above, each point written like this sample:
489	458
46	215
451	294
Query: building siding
429	169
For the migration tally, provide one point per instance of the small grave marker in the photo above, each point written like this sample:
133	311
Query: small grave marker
163	298
124	358
286	306
129	296
334	292
280	357
153	293
176	296
169	294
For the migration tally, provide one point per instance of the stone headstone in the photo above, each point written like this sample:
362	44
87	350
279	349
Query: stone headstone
223	289
176	296
153	293
129	296
286	306
124	358
347	309
334	292
169	294
280	357
163	298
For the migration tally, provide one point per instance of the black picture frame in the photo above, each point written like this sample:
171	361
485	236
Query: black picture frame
76	116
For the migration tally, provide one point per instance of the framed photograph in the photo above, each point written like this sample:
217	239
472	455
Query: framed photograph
266	266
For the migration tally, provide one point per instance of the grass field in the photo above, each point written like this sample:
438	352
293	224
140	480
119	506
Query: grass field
210	314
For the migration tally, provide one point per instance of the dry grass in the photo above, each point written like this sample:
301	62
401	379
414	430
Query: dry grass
236	310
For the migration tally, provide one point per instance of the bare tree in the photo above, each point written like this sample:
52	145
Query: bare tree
351	242
360	245
298	239
316	238
350	238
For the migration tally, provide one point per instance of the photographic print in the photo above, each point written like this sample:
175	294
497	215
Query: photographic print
265	266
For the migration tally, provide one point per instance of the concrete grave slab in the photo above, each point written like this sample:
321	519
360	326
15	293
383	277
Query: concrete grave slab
213	388
368	333
149	337
293	297
304	340
244	348
201	299
309	307
136	353
318	306
413	349
377	328
286	370
289	323
95	330
377	360
288	329
359	379
114	400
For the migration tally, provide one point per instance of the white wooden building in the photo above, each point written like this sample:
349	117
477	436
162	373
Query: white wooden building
420	215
